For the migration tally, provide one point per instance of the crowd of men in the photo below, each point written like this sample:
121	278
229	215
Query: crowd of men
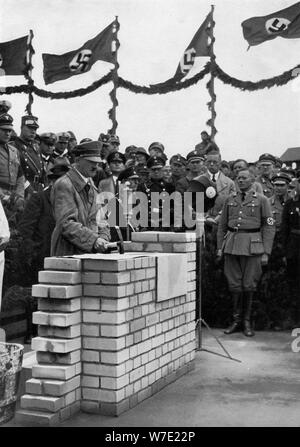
50	186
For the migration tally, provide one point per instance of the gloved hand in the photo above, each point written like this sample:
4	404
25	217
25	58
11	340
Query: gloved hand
264	259
100	245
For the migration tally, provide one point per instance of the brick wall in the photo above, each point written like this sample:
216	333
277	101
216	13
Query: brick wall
105	340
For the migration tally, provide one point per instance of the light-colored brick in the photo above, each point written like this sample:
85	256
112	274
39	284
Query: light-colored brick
138	275
147	236
90	394
58	372
115	278
70	264
177	237
90	356
90	382
184	248
91	277
44	403
114	291
115	357
56	319
154	247
55	345
90	330
111	370
152	319
113	304
57	277
137	287
104	344
32	418
133	246
90	303
70	305
114	330
102	265
34	386
136	325
104	317
111	395
62	359
65	291
115	383
60	332
138	263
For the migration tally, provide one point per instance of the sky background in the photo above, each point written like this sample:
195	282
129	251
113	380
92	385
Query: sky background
153	36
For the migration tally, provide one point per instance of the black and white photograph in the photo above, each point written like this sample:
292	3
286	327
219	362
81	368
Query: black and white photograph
149	216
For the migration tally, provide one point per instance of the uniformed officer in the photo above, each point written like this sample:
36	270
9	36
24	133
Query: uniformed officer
178	165
11	174
60	153
245	235
157	149
280	182
141	155
156	184
195	167
47	147
266	167
31	159
290	236
114	142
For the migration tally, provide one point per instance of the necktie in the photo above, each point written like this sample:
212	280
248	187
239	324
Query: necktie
214	178
243	196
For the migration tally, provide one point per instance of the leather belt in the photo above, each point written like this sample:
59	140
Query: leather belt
243	230
7	186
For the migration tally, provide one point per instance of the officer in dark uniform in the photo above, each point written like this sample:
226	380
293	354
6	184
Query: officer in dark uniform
290	236
280	182
266	166
47	147
157	219
61	153
31	159
195	167
178	167
11	174
245	235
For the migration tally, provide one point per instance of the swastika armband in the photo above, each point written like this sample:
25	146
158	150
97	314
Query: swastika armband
270	221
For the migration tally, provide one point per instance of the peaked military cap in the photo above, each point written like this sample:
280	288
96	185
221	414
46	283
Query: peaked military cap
48	137
141	150
85	140
194	155
141	168
178	158
29	121
267	157
130	149
128	173
63	137
156	162
72	135
156	145
5	106
116	156
6	121
282	177
57	171
89	150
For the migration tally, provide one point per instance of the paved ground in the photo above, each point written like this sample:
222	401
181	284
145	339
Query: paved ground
262	390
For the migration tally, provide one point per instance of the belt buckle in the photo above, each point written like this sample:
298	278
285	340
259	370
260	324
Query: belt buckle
236	229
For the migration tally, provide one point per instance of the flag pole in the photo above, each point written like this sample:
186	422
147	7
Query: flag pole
115	78
211	83
28	72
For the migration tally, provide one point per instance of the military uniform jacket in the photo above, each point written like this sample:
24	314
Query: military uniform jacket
253	213
290	228
11	175
277	209
268	189
32	163
182	184
74	205
224	186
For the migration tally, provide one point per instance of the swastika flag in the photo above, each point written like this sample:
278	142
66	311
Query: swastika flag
199	46
13	57
59	67
284	23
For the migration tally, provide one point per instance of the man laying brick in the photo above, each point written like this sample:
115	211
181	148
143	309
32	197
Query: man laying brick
73	198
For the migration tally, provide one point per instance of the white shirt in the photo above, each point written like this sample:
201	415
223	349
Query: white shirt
4	228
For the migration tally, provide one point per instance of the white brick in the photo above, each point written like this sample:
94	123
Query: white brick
90	356
62	264
62	359
55	345
56	319
57	277
91	277
70	305
59	372
111	395
104	317
60	332
91	330
177	237
113	304
33	418
90	394
104	265
59	387
90	382
114	330
115	383
147	236
115	278
114	291
115	357
111	370
46	403
90	303
137	275
184	248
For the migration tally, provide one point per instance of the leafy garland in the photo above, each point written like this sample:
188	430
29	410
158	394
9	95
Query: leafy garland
162	88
